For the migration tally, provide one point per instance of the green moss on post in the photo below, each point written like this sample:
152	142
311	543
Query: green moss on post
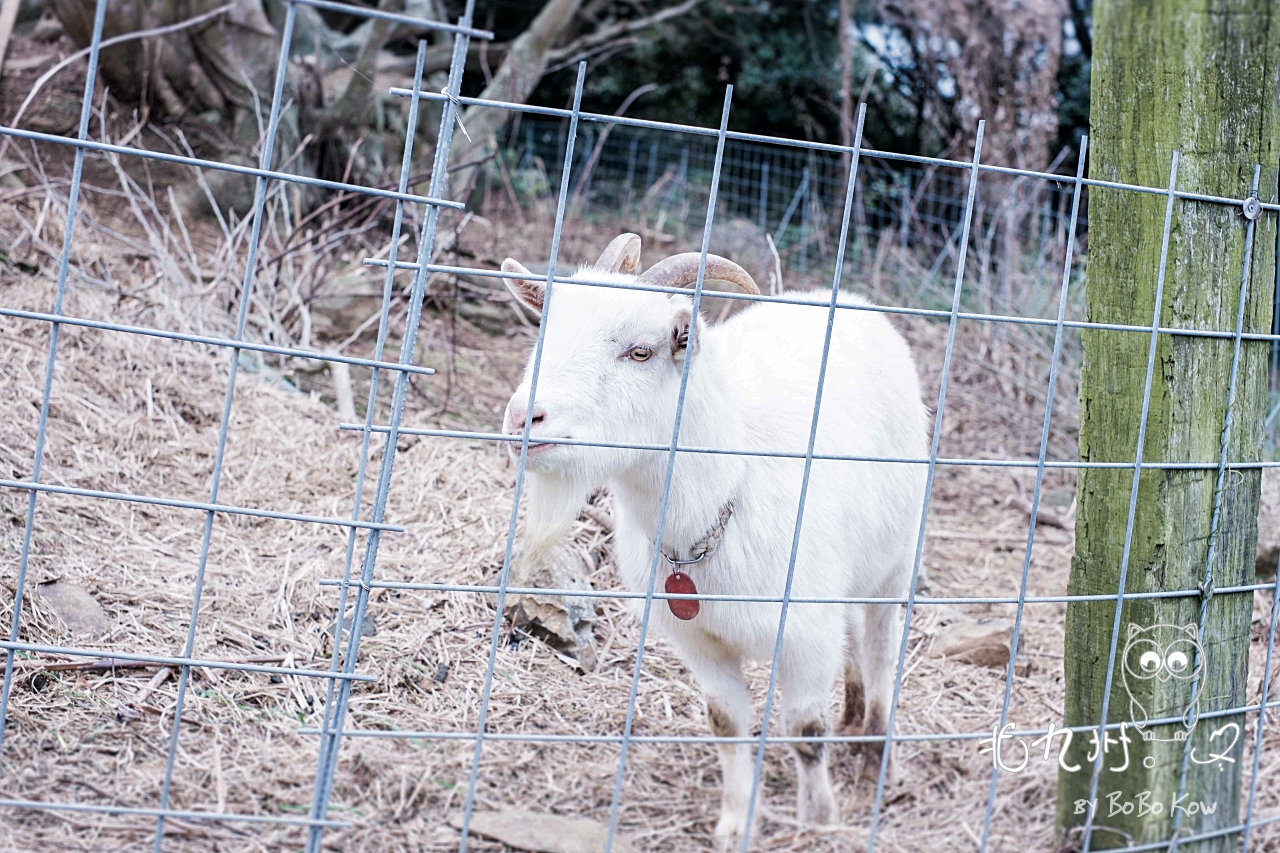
1199	77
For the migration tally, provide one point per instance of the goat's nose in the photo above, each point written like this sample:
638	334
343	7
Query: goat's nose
516	417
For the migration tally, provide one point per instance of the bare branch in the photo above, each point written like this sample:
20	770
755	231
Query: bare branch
514	80
437	59
618	30
846	78
604	49
8	14
584	182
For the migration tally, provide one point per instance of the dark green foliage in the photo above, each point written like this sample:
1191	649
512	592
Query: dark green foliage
785	74
782	57
1073	76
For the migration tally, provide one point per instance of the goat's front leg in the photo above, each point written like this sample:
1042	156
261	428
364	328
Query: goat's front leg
718	671
805	680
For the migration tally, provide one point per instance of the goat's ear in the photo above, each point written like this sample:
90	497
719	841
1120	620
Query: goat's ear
530	293
680	334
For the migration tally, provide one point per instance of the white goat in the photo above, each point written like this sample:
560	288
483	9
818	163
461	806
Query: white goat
611	367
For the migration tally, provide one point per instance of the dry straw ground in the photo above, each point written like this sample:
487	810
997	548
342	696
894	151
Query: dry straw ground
142	415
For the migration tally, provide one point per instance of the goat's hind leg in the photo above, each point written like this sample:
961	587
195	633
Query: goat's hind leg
855	705
880	644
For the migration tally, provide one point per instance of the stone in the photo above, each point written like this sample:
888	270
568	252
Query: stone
982	643
542	833
75	607
368	628
566	623
1269	524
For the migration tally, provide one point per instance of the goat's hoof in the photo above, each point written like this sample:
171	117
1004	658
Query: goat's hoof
870	756
818	810
729	832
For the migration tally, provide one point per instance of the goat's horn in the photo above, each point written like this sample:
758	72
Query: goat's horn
622	254
682	270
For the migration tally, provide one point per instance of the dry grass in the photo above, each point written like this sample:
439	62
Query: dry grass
142	416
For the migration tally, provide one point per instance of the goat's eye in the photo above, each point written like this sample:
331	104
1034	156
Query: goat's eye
639	353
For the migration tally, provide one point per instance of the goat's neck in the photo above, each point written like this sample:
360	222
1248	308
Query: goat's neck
702	483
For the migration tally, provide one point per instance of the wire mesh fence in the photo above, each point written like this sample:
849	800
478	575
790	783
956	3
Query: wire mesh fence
823	206
662	182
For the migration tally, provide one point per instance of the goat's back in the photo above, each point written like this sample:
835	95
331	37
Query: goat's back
871	402
862	514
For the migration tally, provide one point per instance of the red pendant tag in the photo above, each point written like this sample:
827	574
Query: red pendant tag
678	583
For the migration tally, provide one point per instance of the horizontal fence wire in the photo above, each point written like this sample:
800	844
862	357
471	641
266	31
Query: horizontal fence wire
778	192
208	340
623	595
261	173
34	487
176	814
541	737
587	281
785	189
830	148
159	660
831	457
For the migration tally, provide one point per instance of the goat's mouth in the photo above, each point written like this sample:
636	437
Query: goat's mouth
535	447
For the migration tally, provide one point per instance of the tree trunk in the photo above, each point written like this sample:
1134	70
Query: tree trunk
226	65
847	36
1199	77
352	107
520	71
209	67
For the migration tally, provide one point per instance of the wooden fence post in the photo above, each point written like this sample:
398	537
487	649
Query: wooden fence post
1198	77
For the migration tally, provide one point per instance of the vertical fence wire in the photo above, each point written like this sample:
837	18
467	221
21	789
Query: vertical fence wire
64	265
1273	401
763	217
1262	717
615	803
328	741
426	246
370	406
804	481
251	253
1041	457
1152	349
1215	521
940	410
487	690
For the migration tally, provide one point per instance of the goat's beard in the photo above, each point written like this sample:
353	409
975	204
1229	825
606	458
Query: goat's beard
558	485
555	499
